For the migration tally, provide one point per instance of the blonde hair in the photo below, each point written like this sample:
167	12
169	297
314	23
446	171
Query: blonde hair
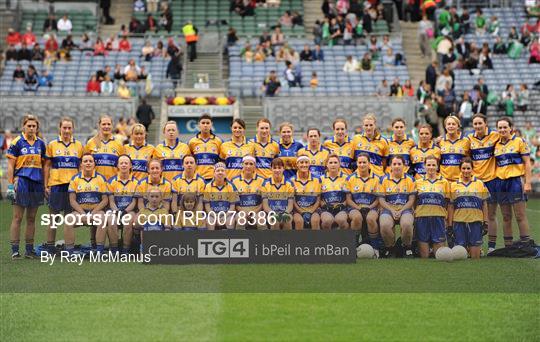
454	118
170	122
139	128
286	124
97	138
372	117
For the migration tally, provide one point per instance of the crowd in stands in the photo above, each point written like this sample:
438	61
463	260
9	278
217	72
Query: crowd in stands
159	17
31	79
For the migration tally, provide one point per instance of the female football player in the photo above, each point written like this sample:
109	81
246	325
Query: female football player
232	151
155	179
454	147
154	216
340	144
316	153
139	151
220	198
63	160
278	197
363	201
372	143
87	194
397	195
105	148
334	195
205	146
265	148
249	187
307	190
467	212
400	144
288	149
514	179
433	194
26	159
171	151
425	147
189	182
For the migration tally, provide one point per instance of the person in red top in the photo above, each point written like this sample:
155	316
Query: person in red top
99	48
93	85
13	38
51	45
29	37
124	44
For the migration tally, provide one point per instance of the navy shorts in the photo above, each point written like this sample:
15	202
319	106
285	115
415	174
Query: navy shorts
335	209
492	188
387	212
468	234
510	191
430	229
29	193
59	198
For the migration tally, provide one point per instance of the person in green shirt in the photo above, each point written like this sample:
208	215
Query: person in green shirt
444	18
480	22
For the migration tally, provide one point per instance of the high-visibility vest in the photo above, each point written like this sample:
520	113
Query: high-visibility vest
189	33
429	3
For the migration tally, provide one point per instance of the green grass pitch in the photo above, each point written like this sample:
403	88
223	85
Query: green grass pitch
409	300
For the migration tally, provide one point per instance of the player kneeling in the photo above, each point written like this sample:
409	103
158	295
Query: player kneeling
433	193
154	216
278	197
306	198
397	200
468	211
88	197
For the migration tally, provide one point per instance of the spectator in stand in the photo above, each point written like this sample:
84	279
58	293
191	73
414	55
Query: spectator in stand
449	97
131	71
50	23
37	53
51	45
508	99
431	74
286	19
145	114
494	26
499	47
480	22
292	75
150	24
13	38
118	73
29	38
523	98
24	53
297	19
271	85
160	50
86	43
152	5
318	53
396	89
18	74
100	74
172	49
425	33
342	7
389	59
64	24
317	32
99	48
31	80
335	32
123	91
277	38
106	86
351	64
383	89
11	53
112	43
442	81
68	44
465	111
174	68
366	63
260	55
408	89
485	58
232	38
513	35
135	26
139	6
306	54
93	85
449	59
166	18
314	82
247	53
265	37
147	51
124	45
535	52
463	48
45	79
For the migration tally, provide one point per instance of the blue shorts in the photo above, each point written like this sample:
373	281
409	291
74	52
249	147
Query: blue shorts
29	193
387	212
335	209
59	198
153	228
430	229
492	188
510	191
468	234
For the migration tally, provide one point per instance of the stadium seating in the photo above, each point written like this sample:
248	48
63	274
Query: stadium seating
83	21
247	78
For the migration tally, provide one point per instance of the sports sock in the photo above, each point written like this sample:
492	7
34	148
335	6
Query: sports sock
100	248
29	248
508	240
524	238
374	241
14	247
492	241
114	249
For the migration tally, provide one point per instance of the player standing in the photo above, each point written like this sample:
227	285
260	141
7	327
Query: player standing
205	146
372	143
425	147
288	148
233	151
171	152
400	144
340	144
316	153
105	148
265	148
334	195
454	147
139	151
307	190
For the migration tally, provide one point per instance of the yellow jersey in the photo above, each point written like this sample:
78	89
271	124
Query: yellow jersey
452	153
29	157
172	158
317	160
468	200
432	197
65	160
206	153
363	190
396	192
509	157
139	158
345	151
288	154
401	148
164	187
232	154
306	192
264	154
418	157
105	155
88	191
482	154
220	198
334	190
182	185
277	194
124	192
376	148
249	191
155	219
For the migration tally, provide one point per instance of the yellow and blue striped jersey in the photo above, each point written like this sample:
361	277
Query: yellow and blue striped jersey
288	154
105	155
468	200
317	160
418	157
29	157
232	154
306	192
482	154
88	191
509	157
182	185
452	153
432	197
334	190
264	154
376	148
206	153
164	186
124	192
363	190
396	192
401	148
139	158
277	194
65	160
220	198
172	158
155	219
249	192
345	151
